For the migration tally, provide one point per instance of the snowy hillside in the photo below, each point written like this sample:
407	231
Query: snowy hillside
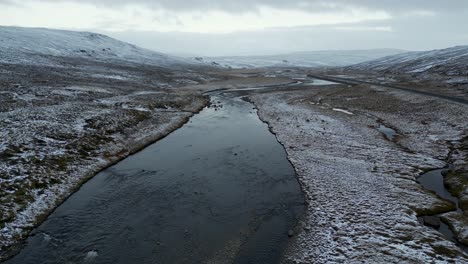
29	45
447	62
303	59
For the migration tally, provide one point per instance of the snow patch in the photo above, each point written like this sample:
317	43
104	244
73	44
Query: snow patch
112	77
422	69
91	255
342	111
88	89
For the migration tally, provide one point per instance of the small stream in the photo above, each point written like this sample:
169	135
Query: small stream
434	181
218	190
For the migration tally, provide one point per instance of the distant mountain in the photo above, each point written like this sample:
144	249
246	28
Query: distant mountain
33	45
302	59
449	62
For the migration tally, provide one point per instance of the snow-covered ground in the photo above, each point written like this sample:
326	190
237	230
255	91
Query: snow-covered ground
363	197
447	62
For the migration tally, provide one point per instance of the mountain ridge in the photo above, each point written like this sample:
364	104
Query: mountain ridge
18	44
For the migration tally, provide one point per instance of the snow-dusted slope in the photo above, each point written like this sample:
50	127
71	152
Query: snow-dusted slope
31	45
303	59
448	62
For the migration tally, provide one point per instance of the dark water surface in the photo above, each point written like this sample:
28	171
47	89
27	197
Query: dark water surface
434	181
218	190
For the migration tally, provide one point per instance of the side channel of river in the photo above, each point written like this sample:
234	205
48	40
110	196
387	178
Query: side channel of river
218	190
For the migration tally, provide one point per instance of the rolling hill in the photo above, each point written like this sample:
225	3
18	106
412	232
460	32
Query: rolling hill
33	45
449	63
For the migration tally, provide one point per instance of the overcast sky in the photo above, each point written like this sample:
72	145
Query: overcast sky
243	27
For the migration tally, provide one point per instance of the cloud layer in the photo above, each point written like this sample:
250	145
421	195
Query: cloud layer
253	26
304	5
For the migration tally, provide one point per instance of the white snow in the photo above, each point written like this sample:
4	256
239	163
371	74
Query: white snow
318	82
342	111
114	77
463	80
88	89
422	69
446	61
91	255
135	107
25	45
147	93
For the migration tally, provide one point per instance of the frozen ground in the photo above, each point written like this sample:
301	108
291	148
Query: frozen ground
363	198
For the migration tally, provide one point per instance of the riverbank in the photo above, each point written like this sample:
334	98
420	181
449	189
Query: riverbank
59	135
92	152
204	194
62	123
363	197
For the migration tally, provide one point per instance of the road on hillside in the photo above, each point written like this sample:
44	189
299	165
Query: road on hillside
355	82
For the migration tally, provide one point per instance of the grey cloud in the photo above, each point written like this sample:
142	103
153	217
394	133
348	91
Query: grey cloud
312	5
10	2
409	33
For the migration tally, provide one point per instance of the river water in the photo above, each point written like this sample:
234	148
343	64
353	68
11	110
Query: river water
218	190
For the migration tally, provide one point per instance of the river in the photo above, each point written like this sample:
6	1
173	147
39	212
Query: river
218	190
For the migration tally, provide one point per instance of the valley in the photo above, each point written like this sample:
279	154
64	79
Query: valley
80	128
